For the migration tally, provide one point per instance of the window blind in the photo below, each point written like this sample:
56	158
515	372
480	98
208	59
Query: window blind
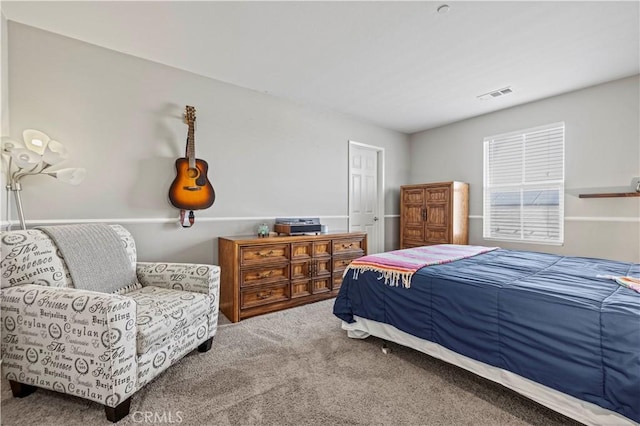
524	185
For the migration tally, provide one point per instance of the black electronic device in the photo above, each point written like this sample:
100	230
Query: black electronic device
297	226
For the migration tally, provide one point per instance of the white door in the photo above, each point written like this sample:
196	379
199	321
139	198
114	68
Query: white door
364	194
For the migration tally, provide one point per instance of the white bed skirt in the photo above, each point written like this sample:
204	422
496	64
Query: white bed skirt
582	411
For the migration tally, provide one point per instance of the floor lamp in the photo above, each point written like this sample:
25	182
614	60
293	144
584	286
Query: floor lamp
38	154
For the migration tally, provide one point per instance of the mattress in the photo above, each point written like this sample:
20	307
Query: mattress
547	318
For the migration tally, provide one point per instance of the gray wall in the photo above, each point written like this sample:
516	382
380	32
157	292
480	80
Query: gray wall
602	150
121	119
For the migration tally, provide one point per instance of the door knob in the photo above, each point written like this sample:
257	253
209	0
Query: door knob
375	218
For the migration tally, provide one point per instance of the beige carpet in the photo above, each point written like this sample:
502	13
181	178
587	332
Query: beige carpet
297	367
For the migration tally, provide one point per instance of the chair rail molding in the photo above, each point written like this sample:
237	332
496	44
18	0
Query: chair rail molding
151	220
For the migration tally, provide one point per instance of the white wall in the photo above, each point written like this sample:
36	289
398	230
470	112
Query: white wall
602	149
121	119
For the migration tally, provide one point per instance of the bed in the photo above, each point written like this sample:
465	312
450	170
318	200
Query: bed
556	329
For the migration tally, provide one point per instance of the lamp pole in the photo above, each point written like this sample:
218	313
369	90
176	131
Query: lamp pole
16	188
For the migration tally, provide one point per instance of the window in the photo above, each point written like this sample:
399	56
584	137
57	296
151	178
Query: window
524	185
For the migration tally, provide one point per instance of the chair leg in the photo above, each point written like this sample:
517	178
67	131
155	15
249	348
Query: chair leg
206	345
20	390
120	411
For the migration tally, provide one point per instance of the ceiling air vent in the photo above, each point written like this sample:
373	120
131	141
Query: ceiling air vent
495	93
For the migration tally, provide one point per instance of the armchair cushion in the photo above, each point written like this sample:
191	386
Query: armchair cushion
163	312
197	278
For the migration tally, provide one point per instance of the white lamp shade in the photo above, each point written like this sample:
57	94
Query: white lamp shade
9	144
55	153
35	140
25	159
72	176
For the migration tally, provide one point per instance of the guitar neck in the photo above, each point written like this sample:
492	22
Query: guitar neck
191	146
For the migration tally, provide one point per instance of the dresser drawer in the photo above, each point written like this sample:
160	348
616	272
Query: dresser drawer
350	246
322	267
340	264
322	248
252	255
301	251
301	270
322	285
300	288
314	268
264	295
264	275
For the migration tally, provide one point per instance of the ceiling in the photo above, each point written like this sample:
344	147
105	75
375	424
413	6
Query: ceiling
400	65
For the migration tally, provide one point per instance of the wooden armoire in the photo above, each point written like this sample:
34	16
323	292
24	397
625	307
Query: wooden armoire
434	213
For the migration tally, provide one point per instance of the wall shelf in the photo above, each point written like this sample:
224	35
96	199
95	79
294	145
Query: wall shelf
610	195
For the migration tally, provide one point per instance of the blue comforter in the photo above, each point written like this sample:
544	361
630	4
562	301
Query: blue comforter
542	316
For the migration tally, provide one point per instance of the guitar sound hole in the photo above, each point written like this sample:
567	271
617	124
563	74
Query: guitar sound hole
193	172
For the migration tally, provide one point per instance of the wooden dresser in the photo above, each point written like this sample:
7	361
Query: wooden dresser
434	213
260	275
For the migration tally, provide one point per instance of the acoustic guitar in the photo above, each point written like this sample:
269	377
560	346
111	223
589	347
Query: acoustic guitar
191	189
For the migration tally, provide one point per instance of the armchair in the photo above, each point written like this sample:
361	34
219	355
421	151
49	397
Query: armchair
102	346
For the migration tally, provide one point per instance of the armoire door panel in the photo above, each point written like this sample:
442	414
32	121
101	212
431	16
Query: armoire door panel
415	234
437	215
413	215
413	196
438	195
440	236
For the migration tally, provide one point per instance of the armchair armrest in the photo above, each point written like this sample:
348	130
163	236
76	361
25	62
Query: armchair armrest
74	341
194	277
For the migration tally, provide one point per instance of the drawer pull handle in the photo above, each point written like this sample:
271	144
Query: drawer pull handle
263	296
263	254
347	246
264	275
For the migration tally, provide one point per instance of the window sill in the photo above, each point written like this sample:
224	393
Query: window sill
514	241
